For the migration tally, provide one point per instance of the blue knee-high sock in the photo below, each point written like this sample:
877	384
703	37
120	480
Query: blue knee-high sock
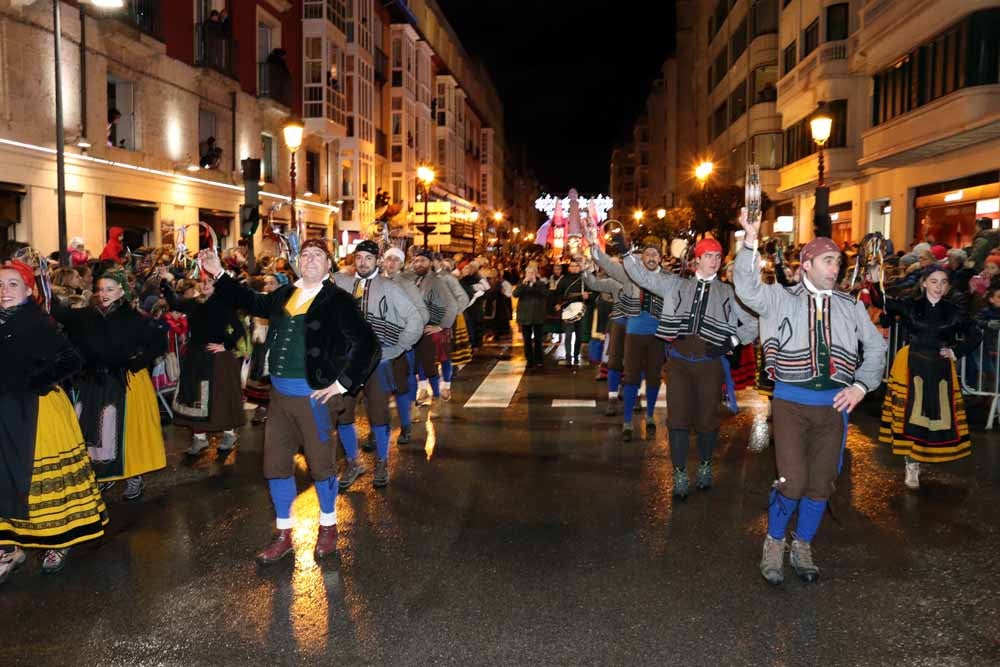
404	403
810	515
421	374
652	391
326	492
779	514
436	386
349	439
381	441
447	370
614	380
630	394
282	496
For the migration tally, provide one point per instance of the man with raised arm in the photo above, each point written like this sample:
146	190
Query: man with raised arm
703	322
644	353
321	351
809	333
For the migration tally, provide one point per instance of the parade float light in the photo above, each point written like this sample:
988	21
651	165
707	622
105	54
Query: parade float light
547	205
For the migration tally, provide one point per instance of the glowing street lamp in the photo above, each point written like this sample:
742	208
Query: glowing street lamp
661	213
498	216
821	126
292	133
426	176
638	214
703	171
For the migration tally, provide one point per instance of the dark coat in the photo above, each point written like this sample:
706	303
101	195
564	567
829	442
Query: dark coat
211	321
34	357
531	302
340	344
115	342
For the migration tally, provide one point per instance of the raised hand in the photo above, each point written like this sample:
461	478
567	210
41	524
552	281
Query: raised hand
751	227
210	261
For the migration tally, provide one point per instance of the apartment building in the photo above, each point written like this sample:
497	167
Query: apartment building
159	109
163	100
736	67
623	184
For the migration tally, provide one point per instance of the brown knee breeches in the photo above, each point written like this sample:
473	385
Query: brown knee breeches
291	425
807	444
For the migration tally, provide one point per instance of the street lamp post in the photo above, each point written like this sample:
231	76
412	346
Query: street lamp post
60	131
821	125
426	176
293	140
474	217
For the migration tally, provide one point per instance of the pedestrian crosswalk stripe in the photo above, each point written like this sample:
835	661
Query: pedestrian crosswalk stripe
573	403
497	389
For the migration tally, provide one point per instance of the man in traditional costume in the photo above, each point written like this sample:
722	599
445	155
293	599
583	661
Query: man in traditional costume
397	323
703	322
322	352
810	334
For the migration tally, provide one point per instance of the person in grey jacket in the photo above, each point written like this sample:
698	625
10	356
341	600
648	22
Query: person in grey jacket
810	334
615	334
405	365
442	310
398	326
443	271
532	295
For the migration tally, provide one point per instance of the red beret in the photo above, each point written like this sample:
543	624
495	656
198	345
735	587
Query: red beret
27	273
939	252
707	245
818	246
994	258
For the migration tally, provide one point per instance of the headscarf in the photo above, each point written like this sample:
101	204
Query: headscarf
397	253
367	246
818	246
707	245
26	272
120	277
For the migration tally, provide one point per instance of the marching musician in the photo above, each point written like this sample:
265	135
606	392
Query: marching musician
810	335
703	322
572	305
644	354
398	325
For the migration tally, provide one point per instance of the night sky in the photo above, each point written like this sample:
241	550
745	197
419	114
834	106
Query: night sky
572	75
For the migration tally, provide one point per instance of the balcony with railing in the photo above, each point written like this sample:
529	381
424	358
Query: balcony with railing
381	144
381	66
143	15
275	82
828	60
215	48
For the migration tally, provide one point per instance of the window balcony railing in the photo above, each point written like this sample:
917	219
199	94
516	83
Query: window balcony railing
381	144
144	15
275	82
381	66
215	48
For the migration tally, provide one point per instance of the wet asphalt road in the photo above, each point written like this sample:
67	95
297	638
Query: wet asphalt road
529	536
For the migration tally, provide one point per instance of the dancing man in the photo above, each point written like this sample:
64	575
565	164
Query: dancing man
398	325
810	334
615	338
442	310
322	352
703	322
644	353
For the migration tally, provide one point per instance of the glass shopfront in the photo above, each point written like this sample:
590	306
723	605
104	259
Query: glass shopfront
946	212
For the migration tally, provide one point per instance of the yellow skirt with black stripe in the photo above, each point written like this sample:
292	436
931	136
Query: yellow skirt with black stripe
461	346
144	448
64	503
954	441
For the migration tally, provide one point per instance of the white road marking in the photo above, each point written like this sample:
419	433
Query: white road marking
497	389
573	403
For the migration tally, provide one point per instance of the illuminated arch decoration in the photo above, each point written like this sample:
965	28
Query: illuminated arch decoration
547	204
568	215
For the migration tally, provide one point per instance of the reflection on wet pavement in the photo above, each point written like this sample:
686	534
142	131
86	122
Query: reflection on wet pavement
530	535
